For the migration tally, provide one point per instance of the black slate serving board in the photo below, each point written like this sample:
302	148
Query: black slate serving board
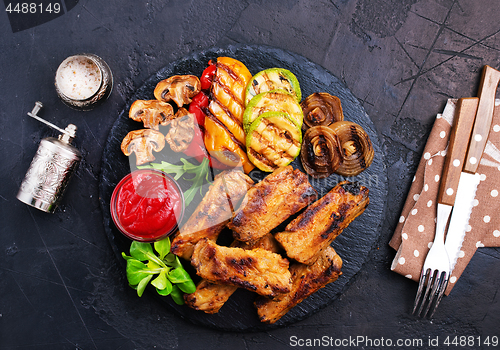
353	245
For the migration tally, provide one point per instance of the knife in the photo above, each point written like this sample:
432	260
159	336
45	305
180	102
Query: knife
455	157
469	179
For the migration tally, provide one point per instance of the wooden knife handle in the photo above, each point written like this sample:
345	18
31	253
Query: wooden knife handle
457	148
486	93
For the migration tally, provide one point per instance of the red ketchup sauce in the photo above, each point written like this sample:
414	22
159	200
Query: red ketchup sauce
147	205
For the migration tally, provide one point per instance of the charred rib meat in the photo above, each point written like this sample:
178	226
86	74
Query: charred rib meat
213	213
306	280
313	230
270	202
210	297
257	270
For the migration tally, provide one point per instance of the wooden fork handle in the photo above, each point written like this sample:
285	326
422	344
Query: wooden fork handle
457	148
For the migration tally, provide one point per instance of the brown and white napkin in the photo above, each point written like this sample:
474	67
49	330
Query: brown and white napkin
416	228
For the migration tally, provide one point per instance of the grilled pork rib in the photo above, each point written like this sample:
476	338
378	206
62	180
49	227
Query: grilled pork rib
210	297
306	280
270	202
314	229
257	270
213	213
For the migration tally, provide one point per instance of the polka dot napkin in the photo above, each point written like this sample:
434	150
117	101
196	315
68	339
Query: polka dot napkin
416	228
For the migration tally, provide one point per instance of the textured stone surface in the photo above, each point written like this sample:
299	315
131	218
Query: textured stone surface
62	287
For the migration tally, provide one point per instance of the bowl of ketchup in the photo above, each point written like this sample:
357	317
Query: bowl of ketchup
147	205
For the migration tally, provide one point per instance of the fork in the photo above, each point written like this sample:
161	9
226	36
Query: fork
436	270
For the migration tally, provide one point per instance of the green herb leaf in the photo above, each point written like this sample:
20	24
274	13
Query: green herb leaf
200	172
187	287
170	259
154	267
126	257
145	262
141	251
136	271
166	167
177	295
142	285
178	275
162	247
161	281
167	290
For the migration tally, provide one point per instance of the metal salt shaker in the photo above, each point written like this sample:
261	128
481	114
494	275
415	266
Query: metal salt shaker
51	168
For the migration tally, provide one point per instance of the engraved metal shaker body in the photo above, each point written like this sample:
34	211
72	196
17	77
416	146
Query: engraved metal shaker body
51	168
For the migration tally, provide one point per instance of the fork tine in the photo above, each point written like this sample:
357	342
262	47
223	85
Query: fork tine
435	284
421	283
427	290
441	290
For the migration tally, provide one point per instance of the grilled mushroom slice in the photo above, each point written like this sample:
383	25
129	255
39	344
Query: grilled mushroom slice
143	142
151	112
178	88
181	131
321	108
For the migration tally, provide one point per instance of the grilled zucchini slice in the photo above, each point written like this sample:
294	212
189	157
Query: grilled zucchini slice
274	100
273	140
272	79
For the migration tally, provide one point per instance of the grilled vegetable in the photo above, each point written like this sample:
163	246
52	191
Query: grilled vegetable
321	108
208	76
273	140
224	137
275	100
178	88
222	146
272	79
320	153
356	147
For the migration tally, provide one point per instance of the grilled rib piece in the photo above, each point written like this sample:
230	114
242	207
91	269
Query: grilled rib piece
270	202
213	213
210	297
306	280
257	270
313	230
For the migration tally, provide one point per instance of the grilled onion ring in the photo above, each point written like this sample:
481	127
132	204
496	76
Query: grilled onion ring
320	153
355	146
321	108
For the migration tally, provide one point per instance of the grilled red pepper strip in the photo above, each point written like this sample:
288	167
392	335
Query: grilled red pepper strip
196	148
198	151
208	76
196	106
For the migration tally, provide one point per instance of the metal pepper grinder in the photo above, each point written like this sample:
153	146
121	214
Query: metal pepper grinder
51	168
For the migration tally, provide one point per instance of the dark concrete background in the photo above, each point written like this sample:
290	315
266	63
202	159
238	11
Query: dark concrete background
60	284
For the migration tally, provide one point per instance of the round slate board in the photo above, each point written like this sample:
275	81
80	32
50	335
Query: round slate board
353	245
